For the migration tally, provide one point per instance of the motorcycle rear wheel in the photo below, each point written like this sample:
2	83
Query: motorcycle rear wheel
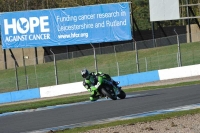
108	94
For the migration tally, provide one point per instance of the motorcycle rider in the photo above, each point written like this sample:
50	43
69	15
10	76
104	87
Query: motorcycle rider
92	81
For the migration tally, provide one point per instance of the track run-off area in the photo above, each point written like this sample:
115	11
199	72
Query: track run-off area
137	104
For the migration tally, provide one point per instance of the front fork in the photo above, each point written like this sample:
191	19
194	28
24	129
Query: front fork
115	89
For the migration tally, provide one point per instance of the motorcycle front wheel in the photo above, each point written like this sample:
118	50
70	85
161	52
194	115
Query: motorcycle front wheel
109	93
122	94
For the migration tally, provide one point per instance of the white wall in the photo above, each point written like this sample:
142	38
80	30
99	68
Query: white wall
179	72
77	87
57	90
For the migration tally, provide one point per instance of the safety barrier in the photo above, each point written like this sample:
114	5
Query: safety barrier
19	95
125	80
57	90
179	72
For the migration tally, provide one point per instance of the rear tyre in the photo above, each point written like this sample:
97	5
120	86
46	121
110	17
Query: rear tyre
122	94
109	94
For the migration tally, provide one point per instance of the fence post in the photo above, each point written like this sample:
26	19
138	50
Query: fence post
158	60
177	58
5	59
179	50
74	66
137	61
55	67
26	77
153	33
146	64
95	58
116	61
36	78
16	74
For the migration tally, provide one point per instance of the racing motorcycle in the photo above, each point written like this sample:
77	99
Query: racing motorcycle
108	90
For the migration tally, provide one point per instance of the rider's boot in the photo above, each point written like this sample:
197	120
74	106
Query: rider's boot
93	98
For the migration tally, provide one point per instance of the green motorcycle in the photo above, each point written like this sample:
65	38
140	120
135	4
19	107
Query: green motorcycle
108	90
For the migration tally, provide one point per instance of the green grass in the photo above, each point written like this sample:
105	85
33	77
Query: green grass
69	69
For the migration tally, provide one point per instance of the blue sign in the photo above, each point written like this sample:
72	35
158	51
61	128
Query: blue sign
66	26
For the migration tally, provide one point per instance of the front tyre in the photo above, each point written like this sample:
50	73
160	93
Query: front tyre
122	94
109	94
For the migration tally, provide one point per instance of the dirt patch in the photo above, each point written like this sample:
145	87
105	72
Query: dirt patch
184	124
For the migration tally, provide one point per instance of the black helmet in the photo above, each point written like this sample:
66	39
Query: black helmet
84	73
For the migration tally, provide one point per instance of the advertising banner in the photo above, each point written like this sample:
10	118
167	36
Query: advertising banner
167	10
66	26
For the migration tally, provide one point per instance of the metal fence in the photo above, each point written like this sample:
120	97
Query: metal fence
121	59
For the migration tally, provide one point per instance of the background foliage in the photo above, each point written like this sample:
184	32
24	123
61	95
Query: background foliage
140	8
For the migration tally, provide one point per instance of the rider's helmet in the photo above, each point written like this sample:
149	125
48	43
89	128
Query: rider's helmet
84	73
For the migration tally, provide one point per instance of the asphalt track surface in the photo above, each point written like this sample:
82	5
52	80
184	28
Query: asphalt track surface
137	102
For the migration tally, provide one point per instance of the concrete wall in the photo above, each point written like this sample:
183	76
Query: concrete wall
19	95
195	33
1	59
18	54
